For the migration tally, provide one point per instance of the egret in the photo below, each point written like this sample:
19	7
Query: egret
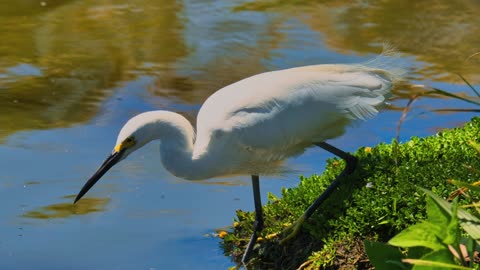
251	126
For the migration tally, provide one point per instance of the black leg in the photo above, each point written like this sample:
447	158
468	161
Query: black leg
351	163
258	223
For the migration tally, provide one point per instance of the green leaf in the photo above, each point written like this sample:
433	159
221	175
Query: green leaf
431	264
439	256
471	245
422	234
469	222
417	252
453	228
438	216
383	256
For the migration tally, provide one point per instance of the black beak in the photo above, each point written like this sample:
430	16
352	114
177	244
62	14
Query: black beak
113	159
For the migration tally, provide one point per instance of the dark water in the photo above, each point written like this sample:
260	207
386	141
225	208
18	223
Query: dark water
72	72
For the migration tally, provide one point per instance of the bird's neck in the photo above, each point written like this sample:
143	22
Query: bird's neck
176	149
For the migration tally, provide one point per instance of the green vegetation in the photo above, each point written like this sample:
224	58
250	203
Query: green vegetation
381	199
435	243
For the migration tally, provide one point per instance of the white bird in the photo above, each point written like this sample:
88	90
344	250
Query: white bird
251	126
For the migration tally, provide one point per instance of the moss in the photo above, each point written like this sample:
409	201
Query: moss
379	200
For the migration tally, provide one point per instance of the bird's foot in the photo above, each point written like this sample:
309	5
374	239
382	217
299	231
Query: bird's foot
257	227
292	230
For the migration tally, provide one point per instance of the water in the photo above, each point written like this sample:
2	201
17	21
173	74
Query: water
72	72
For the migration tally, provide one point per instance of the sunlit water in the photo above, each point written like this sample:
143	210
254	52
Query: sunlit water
72	72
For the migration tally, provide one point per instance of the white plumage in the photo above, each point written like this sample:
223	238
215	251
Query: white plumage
252	125
281	112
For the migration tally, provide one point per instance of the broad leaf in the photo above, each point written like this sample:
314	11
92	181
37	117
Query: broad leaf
439	256
422	234
453	228
470	243
438	216
469	222
383	256
417	252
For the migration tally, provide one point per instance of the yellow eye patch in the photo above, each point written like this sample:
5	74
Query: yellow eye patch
128	142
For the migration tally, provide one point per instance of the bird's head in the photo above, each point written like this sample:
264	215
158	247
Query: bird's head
119	152
139	131
134	134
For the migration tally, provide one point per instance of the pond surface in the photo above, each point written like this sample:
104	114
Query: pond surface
72	72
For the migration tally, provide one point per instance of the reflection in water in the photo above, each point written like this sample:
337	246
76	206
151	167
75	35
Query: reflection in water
29	7
79	50
441	33
226	47
65	210
60	63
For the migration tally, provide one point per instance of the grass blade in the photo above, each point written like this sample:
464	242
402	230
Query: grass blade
469	85
448	94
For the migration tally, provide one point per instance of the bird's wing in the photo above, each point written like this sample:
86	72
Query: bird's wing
290	107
